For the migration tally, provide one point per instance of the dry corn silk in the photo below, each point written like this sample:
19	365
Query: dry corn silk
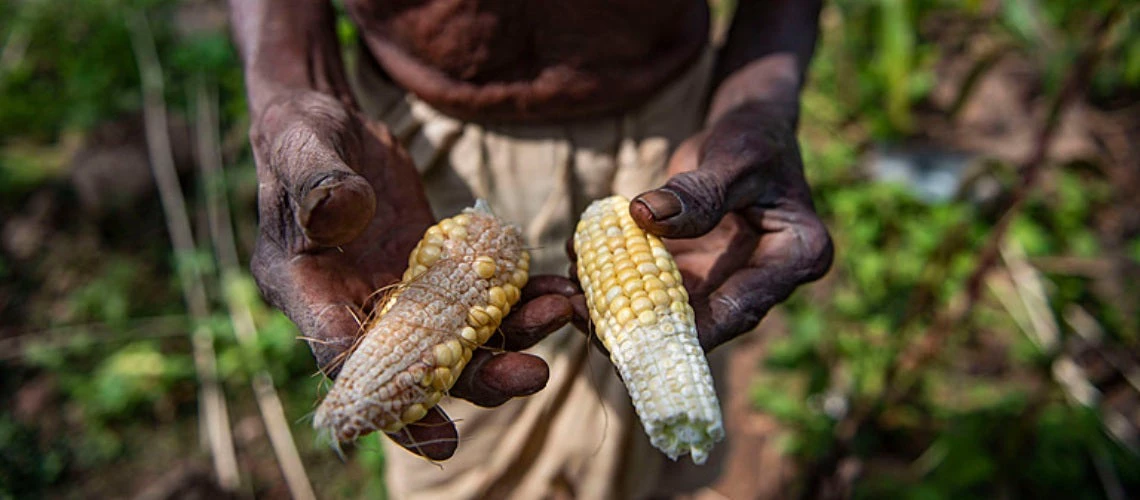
640	311
462	279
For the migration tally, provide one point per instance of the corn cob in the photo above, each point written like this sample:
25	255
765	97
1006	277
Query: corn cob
462	279
641	313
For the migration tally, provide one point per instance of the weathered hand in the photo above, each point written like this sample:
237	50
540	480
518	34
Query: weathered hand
739	220
341	207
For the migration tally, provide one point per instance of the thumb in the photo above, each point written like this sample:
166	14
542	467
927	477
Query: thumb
689	205
331	203
715	173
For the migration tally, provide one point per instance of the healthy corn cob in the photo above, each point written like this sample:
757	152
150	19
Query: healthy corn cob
641	313
462	279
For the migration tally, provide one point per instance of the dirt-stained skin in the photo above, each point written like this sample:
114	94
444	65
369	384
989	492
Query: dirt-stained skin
341	205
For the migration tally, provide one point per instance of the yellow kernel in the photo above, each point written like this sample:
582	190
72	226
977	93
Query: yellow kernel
659	297
609	283
638	246
647	268
627	275
623	265
485	266
495	313
632	286
469	334
413	413
624	316
477	317
485	333
652	282
518	278
456	348
512	293
497	296
462	219
642	258
641	304
416	270
447	226
618	304
434	238
442	379
443	355
433	398
428	255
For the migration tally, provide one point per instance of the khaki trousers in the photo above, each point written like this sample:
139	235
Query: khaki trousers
579	437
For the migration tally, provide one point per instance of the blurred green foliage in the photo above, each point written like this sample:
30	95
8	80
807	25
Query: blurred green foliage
958	433
67	66
116	350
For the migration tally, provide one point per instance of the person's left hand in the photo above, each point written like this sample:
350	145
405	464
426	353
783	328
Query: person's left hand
737	215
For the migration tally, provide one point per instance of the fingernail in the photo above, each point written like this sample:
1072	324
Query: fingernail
314	197
663	204
515	374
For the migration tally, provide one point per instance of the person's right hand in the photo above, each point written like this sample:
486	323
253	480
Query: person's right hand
341	207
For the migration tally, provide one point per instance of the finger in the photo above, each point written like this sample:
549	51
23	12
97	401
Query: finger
572	268
323	310
491	379
335	205
548	284
798	252
533	321
433	436
331	203
725	169
570	252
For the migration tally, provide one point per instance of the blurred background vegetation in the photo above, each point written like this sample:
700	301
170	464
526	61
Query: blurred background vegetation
977	162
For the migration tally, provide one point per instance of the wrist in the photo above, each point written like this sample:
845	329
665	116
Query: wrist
288	47
770	85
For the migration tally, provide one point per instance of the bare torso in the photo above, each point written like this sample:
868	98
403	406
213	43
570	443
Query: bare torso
532	60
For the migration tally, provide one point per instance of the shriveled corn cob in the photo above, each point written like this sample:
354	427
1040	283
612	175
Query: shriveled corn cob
641	313
462	279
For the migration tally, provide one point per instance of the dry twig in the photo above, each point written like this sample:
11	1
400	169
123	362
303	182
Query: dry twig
214	417
221	231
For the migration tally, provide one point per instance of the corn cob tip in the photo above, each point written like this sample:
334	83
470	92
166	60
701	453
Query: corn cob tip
481	206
